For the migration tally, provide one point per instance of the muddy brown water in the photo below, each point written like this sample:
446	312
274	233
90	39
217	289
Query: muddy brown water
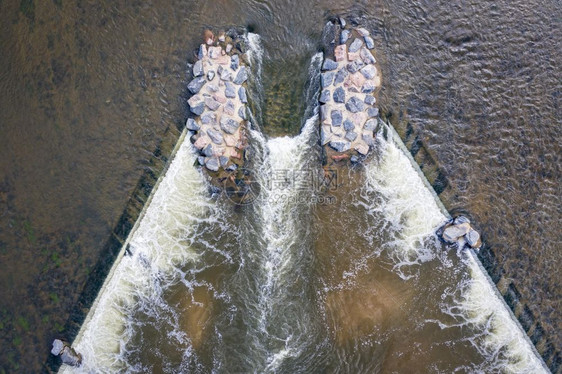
88	90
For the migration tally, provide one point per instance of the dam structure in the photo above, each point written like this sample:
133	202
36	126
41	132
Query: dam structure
310	275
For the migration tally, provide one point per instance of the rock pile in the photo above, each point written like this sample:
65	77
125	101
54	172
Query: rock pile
461	232
66	353
349	80
218	104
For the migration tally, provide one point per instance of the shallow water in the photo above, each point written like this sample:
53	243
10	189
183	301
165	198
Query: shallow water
89	89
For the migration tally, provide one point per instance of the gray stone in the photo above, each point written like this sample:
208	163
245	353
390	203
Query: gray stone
209	118
362	31
356	45
213	87
367	56
473	238
344	37
354	105
230	90
342	22
370	125
58	346
369	71
351	136
195	85
202	51
339	95
373	112
198	108
212	103
453	233
234	62
324	136
229	108
70	357
368	138
370	100
354	159
242	75
337	118
192	125
229	125
340	76
225	73
232	167
461	219
198	68
368	88
228	48
348	125
212	163
208	150
327	78
325	96
242	112
201	160
223	161
329	64
369	42
354	66
324	111
340	146
242	95
211	75
67	354
216	137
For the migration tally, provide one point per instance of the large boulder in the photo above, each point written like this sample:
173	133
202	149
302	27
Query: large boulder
453	233
473	239
67	354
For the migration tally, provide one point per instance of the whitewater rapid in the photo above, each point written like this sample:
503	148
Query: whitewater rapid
267	312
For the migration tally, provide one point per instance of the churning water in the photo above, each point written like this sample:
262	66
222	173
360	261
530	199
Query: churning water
357	283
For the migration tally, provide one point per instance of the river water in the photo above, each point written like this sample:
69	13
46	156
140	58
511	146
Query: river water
89	89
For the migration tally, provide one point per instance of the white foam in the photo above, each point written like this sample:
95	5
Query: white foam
502	340
159	245
408	207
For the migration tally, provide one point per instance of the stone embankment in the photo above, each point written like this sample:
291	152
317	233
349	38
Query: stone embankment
460	231
350	81
218	106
